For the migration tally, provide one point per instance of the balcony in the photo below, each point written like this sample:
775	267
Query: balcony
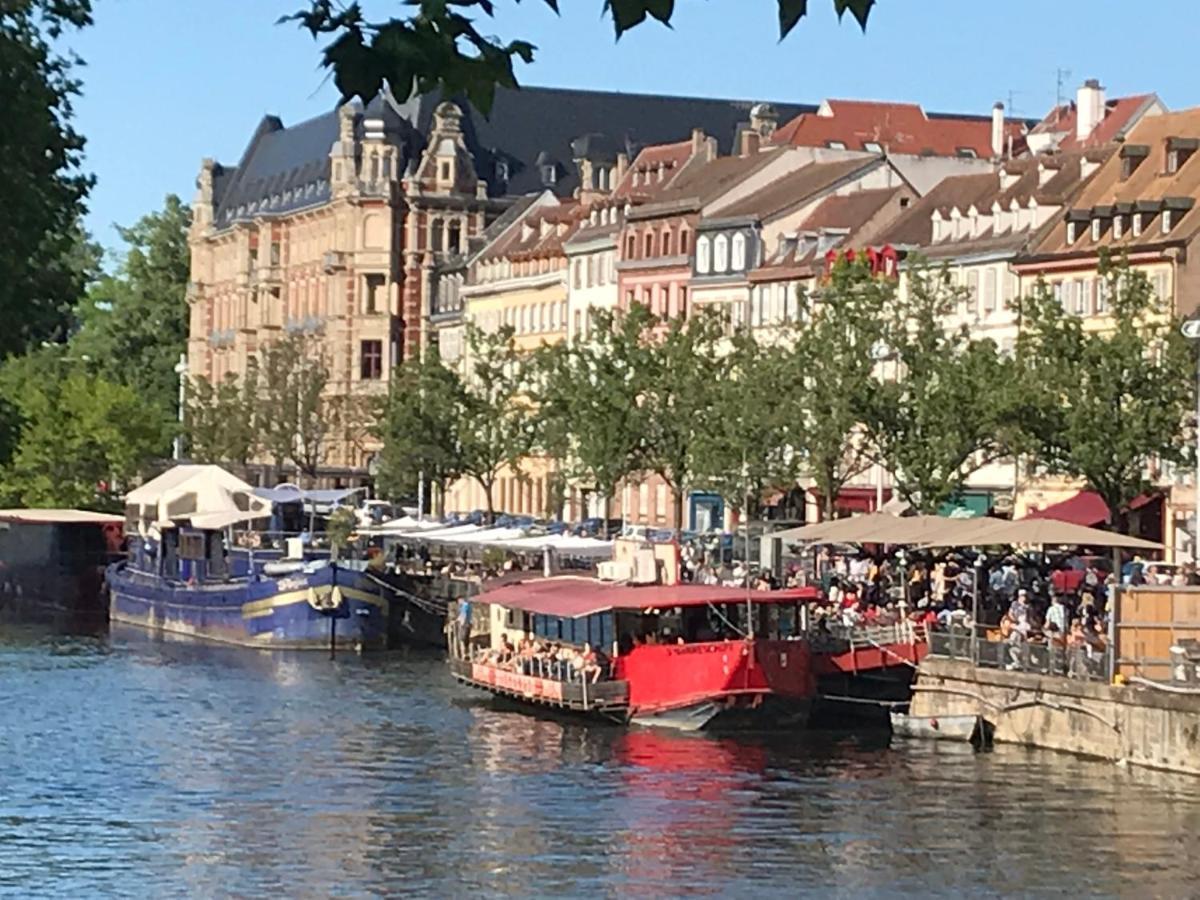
333	261
224	338
268	276
304	325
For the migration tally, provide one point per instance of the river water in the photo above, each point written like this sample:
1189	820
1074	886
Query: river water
135	767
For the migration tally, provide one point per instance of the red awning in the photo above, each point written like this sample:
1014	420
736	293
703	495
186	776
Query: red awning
570	597
855	499
1085	508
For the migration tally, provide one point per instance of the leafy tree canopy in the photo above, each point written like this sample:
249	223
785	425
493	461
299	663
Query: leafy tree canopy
42	272
439	48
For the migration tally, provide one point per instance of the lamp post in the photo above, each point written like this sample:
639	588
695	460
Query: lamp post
181	368
1191	330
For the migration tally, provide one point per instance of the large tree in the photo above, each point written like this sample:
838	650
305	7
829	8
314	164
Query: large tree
1105	404
586	394
437	47
753	436
946	409
82	438
418	426
41	186
832	373
219	422
294	417
134	322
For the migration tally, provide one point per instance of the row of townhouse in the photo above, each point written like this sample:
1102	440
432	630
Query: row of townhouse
385	229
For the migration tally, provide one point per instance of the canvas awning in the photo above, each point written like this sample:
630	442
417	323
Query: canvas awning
563	544
876	528
1035	532
1085	508
290	493
205	496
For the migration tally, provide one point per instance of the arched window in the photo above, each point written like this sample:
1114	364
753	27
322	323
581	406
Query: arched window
683	242
739	252
720	253
666	243
435	236
455	238
630	246
649	244
702	261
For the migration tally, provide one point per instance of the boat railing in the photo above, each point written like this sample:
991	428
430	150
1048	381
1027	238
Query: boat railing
837	636
563	670
983	647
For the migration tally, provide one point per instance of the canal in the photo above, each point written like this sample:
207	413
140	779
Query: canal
140	768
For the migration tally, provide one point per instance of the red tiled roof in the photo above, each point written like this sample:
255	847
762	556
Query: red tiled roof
670	156
896	128
1119	114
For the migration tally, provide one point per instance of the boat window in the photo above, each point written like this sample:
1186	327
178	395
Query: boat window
218	566
191	546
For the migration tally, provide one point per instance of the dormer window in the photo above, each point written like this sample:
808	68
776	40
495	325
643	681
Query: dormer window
549	174
965	152
836	145
1168	219
502	170
1179	151
1096	223
1136	224
872	147
1132	156
1118	227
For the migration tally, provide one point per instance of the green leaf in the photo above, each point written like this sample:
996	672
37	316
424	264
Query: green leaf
625	14
860	9
790	12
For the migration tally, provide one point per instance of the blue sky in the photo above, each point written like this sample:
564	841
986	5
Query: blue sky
168	82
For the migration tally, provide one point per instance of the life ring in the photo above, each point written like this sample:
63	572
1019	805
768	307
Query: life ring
325	600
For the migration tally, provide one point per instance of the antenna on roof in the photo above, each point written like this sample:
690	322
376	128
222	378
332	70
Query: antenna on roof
1061	76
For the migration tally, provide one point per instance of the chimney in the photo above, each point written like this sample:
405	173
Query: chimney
697	140
622	168
750	142
1089	109
998	131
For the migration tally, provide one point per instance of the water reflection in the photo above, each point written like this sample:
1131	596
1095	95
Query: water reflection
141	766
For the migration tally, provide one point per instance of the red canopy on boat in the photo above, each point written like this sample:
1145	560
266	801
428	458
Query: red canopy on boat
570	597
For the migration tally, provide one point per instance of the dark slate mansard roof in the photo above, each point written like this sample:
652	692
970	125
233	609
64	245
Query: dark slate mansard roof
285	169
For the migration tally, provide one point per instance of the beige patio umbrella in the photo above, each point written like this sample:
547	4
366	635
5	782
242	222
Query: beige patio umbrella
1033	532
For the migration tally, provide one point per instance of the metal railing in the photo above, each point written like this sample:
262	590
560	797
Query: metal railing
1038	657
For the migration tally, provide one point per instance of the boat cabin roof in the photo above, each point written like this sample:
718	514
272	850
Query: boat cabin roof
58	516
571	596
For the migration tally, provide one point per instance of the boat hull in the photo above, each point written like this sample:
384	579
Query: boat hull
274	613
732	714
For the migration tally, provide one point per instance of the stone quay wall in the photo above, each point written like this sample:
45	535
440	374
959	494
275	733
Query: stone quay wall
1122	723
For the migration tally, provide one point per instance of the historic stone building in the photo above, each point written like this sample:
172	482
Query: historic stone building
336	226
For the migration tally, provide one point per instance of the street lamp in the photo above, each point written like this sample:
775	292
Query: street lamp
181	368
1191	330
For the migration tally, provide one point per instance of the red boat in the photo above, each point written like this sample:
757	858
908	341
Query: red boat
677	655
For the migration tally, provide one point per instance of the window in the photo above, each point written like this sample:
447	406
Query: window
660	502
965	152
1172	162
973	293
435	236
666	243
630	246
682	301
989	291
643	500
683	242
578	277
370	360
1136	225
702	261
648	299
1118	226
562	312
1101	295
1072	232
1160	287
1058	293
454	238
1096	223
1080	297
523	321
602	270
739	252
780	311
649	244
836	145
549	174
444	171
872	147
629	298
1167	220
720	253
374	296
591	270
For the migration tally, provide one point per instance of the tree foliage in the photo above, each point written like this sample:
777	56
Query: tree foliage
439	48
294	418
418	426
832	374
42	189
134	322
948	410
81	439
219	421
1106	404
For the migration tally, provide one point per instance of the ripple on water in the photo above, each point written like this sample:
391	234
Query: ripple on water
137	767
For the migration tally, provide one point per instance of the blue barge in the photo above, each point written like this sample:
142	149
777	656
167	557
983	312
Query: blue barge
189	572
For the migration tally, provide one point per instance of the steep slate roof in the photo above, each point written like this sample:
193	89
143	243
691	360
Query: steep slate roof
897	127
794	188
1119	114
524	125
1150	185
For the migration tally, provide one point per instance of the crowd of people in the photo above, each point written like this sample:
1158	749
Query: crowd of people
546	659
